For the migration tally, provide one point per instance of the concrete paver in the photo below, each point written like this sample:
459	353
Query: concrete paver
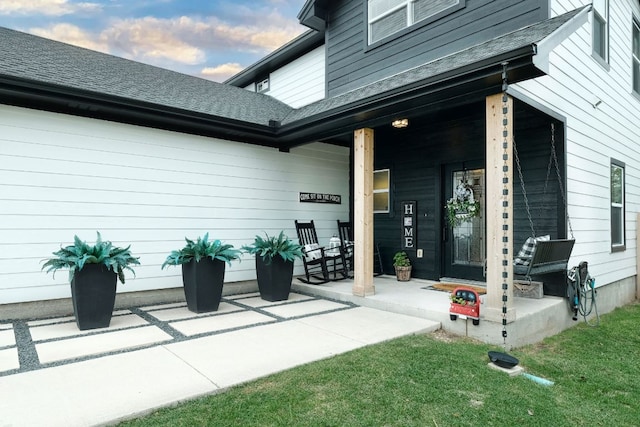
304	308
9	361
220	323
72	348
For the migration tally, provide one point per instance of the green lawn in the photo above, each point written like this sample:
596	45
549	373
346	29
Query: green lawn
439	380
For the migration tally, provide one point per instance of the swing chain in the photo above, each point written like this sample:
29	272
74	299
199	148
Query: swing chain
524	190
553	157
505	201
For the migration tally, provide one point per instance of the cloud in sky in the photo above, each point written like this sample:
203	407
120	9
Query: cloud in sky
72	34
47	7
209	39
221	72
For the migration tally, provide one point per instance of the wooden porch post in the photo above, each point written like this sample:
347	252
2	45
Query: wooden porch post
499	192
363	213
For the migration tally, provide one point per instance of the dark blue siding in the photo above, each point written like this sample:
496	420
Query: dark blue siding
351	63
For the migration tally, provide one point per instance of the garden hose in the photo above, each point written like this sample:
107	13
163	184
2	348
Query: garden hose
581	291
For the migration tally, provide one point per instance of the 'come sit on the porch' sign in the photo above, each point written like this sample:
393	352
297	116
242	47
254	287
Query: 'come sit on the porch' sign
320	198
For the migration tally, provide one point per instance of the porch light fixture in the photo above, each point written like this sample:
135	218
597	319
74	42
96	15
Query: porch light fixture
400	123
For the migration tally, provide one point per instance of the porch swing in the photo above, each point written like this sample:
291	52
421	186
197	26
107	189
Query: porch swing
541	255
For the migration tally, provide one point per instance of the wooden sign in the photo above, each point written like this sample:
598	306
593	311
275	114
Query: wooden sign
320	198
409	225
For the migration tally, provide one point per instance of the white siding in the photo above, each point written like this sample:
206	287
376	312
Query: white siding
62	175
596	135
300	82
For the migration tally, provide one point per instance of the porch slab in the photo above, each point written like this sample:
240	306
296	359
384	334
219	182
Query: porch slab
535	318
356	324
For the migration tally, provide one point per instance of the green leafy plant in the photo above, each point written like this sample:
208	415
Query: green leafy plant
202	248
401	259
271	246
462	207
461	301
75	257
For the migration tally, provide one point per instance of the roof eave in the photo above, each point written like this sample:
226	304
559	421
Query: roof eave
546	45
452	86
100	106
313	15
278	58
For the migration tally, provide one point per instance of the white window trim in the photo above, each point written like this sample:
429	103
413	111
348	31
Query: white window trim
406	4
603	60
619	246
635	56
266	85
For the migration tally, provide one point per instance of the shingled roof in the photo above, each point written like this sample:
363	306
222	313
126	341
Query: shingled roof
43	73
31	58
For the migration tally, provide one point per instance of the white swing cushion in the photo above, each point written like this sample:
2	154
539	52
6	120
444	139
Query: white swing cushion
526	252
312	251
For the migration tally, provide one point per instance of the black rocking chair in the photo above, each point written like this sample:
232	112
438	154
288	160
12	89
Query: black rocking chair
346	241
320	264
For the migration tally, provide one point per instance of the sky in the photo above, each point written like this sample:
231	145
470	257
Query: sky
212	39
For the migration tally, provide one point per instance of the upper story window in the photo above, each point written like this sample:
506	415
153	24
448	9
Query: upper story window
390	16
636	57
617	205
601	29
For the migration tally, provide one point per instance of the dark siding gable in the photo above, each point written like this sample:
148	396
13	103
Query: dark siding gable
352	63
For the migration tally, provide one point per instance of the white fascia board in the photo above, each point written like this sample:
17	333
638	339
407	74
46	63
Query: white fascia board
546	45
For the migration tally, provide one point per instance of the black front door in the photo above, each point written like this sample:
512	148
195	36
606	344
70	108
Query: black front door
464	244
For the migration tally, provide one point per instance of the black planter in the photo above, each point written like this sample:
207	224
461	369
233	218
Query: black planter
274	279
93	292
203	282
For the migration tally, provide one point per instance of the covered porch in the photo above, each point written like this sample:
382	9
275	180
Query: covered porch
536	318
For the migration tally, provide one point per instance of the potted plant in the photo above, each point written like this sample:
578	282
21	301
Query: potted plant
402	264
93	274
203	265
462	207
275	258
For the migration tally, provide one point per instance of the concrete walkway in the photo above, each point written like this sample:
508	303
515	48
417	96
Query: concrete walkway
52	374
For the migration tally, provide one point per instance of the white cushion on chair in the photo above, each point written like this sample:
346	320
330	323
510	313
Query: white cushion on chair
527	249
312	251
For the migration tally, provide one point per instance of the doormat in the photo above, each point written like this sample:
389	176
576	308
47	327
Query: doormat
449	287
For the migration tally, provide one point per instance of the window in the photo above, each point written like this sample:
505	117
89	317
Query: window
601	29
617	206
262	86
381	191
636	57
390	16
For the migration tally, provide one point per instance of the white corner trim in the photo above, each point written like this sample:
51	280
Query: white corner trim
546	45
